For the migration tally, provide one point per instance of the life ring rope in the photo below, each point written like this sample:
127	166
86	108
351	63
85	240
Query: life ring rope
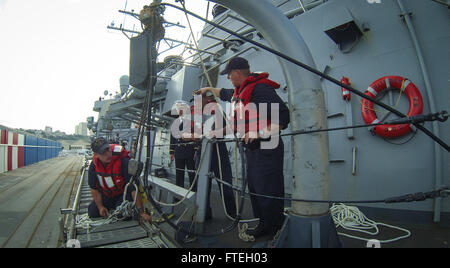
405	86
402	90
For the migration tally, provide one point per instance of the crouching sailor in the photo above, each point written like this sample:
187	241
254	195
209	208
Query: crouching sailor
108	176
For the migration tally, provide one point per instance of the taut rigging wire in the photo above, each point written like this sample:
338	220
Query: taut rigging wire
441	116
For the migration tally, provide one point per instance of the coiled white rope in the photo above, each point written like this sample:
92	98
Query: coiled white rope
243	234
352	219
123	211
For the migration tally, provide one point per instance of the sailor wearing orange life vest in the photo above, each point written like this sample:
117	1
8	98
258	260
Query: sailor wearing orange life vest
264	166
108	176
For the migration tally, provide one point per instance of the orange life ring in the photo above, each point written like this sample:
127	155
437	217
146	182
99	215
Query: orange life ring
396	82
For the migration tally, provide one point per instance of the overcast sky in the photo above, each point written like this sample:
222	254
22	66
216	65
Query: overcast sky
57	57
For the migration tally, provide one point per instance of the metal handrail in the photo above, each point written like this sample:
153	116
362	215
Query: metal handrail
75	205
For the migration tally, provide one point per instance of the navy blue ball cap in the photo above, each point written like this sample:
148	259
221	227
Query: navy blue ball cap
236	63
99	145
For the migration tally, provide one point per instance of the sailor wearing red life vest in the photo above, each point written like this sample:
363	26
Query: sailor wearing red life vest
108	176
264	166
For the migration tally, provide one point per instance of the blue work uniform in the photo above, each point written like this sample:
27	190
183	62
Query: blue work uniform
183	152
265	166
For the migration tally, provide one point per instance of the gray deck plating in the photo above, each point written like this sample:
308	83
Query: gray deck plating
113	236
141	243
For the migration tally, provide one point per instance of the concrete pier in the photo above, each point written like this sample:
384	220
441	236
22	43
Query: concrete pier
30	201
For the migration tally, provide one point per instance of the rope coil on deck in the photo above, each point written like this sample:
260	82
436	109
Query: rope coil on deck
352	219
123	211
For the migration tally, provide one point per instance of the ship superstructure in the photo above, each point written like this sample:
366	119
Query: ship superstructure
383	49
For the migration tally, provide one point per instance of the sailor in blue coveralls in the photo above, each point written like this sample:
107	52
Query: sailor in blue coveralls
264	165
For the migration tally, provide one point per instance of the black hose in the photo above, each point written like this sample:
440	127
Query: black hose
148	107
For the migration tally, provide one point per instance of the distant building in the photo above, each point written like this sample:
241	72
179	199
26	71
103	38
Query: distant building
76	147
81	129
48	130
